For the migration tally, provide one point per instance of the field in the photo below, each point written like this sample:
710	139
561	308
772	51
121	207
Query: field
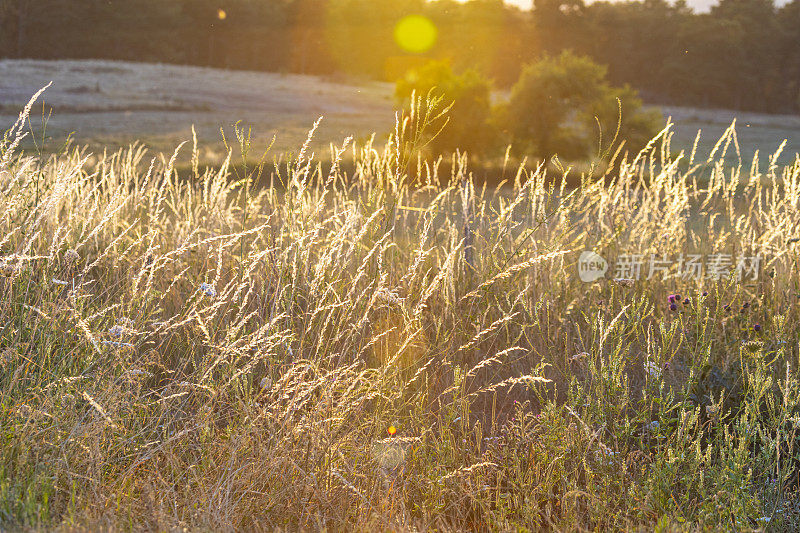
380	352
112	104
108	104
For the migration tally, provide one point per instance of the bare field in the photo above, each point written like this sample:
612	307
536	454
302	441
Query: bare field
111	104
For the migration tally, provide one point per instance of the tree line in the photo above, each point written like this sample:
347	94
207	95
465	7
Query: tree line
743	54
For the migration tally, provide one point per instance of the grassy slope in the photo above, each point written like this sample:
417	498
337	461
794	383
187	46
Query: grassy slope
189	354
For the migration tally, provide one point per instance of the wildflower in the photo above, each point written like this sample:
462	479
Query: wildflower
673	307
745	305
672	299
208	290
757	327
71	257
118	344
651	368
705	293
392	430
678	296
576	358
686	301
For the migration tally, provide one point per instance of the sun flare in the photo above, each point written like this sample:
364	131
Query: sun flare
415	34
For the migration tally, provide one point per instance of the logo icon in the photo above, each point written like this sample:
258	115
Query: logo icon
591	266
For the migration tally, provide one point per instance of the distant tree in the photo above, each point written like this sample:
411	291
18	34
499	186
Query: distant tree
555	106
468	127
789	19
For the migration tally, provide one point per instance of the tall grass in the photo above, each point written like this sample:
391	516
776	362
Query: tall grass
215	354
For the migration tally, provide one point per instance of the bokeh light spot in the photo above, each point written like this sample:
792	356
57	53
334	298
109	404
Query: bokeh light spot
221	14
415	34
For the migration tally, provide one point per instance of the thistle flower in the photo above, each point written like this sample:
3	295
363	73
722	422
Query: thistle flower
757	327
673	307
672	298
752	346
71	257
686	301
208	290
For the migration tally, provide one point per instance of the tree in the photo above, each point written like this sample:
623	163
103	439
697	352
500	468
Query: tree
556	104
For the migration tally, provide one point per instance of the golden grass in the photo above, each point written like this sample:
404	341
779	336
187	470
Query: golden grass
213	354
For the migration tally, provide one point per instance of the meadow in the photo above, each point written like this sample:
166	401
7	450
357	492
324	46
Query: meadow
396	348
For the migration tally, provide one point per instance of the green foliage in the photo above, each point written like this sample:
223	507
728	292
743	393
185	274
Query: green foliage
467	126
557	103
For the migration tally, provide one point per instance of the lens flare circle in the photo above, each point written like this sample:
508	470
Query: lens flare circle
415	34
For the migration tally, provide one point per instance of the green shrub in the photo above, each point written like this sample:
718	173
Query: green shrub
558	104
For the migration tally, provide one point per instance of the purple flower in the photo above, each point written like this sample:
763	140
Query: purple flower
705	293
671	298
727	307
757	327
673	307
745	305
686	301
678	296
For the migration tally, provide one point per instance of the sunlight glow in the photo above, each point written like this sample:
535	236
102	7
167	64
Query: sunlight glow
415	34
221	14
